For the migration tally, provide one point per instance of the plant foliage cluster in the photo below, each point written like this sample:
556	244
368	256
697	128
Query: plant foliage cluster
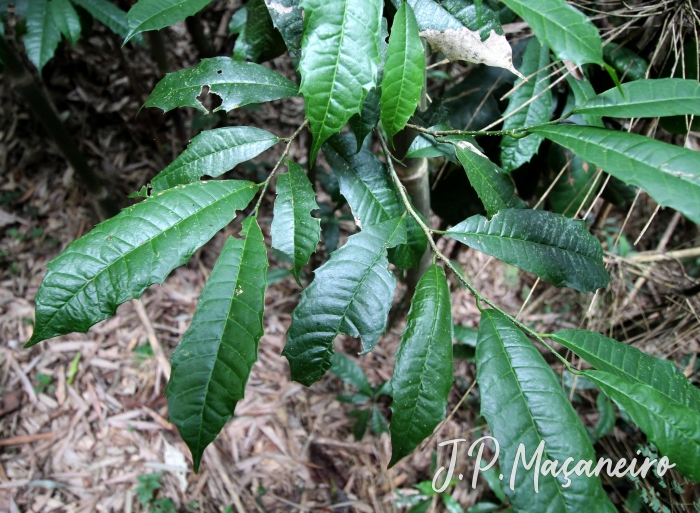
362	63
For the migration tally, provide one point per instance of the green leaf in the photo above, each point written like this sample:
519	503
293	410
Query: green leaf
523	403
212	153
212	363
631	364
351	373
668	173
330	233
495	484
423	370
672	427
451	505
403	73
367	186
363	123
287	18
446	33
108	14
476	15
339	62
156	14
647	99
516	152
364	181
66	19
471	103
379	424
258	41
237	83
551	246
493	185
237	23
351	293
465	335
583	91
42	35
564	29
575	185
123	256
409	255
606	421
426	146
354	399
625	61
421	507
294	232
360	427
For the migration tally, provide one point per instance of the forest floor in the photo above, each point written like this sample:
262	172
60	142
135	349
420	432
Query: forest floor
83	419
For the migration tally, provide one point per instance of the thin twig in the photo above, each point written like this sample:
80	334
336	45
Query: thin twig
285	154
429	234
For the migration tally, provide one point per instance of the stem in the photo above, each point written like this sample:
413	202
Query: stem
200	40
22	81
413	174
515	132
441	256
281	160
155	40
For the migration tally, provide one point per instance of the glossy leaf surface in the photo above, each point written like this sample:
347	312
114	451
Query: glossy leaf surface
564	29
631	364
66	19
156	14
123	256
494	187
258	41
670	174
237	83
287	18
42	35
212	363
551	246
523	403
212	153
339	62
294	232
351	293
672	427
516	152
647	99
423	370
403	72
367	186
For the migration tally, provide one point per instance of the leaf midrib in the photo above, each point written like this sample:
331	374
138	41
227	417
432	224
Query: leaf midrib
335	68
136	28
382	252
185	166
431	346
604	145
656	368
219	340
525	241
531	417
123	256
552	22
